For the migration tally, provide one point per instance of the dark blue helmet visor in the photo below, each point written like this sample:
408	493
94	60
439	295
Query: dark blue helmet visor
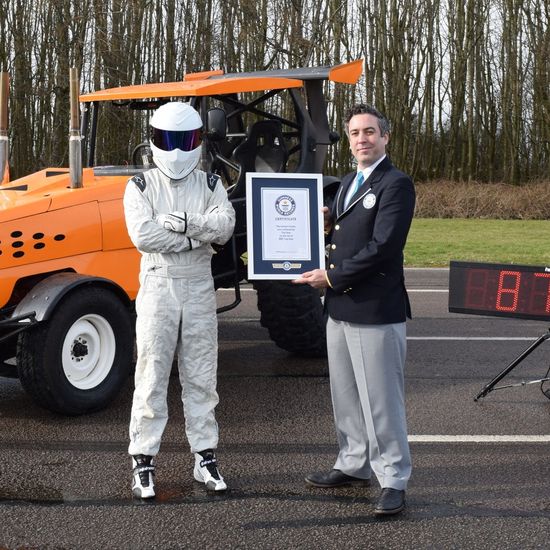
168	140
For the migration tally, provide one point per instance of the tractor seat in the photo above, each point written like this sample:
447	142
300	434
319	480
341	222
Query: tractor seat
264	149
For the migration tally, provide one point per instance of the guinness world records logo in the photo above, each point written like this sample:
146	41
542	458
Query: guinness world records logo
285	205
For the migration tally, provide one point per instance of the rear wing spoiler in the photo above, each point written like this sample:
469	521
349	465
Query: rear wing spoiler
347	73
218	83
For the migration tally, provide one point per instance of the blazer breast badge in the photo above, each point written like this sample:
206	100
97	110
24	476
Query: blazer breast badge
369	201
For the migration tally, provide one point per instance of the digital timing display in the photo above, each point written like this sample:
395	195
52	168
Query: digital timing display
504	290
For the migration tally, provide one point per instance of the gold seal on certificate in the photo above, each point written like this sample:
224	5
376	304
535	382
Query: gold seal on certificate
285	225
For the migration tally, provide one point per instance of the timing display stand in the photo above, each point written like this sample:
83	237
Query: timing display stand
502	290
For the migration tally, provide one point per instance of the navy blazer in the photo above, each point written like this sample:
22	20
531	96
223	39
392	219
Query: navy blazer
365	260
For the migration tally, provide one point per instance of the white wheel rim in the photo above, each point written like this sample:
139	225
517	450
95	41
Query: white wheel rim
88	352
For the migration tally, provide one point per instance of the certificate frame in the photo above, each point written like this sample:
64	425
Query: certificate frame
285	224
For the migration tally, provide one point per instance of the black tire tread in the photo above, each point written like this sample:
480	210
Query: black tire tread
293	316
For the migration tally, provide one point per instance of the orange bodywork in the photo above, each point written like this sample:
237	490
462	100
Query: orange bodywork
64	229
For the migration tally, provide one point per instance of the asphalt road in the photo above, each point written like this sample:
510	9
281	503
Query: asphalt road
480	469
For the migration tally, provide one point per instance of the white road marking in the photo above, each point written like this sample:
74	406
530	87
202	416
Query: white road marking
409	290
477	338
479	438
232	290
250	289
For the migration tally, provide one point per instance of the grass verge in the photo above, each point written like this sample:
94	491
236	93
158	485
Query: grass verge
434	242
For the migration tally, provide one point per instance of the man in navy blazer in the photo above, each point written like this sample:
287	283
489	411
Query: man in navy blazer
367	306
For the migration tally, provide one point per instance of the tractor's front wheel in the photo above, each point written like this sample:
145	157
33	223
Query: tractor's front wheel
78	360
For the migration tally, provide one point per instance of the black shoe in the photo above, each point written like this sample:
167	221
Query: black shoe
334	478
391	501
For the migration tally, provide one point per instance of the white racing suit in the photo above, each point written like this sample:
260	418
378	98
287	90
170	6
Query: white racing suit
176	303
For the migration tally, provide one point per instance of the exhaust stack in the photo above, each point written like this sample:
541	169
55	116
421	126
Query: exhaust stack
4	145
75	148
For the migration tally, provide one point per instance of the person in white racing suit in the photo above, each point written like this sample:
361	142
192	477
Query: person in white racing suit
173	213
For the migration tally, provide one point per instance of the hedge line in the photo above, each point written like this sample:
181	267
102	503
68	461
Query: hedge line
445	199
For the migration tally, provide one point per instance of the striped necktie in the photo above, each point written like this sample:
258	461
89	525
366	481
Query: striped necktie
354	187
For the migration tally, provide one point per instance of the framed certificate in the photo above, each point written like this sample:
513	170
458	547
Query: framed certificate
284	224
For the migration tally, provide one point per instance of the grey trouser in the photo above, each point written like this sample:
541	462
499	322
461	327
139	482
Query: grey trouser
366	364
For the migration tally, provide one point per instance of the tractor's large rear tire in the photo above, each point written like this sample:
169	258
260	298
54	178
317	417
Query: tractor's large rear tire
77	361
293	315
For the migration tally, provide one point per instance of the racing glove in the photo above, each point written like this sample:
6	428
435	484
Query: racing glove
177	221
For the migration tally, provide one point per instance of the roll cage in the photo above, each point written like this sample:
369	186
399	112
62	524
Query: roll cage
245	98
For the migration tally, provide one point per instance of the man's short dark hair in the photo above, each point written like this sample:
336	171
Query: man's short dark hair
365	109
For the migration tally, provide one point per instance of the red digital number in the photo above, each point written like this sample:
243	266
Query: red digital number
508	290
542	293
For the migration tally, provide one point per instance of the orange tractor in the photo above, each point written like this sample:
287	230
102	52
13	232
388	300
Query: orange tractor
68	271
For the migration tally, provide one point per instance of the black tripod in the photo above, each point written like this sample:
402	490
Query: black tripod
491	385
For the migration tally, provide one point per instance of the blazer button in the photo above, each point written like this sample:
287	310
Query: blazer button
336	227
331	266
333	246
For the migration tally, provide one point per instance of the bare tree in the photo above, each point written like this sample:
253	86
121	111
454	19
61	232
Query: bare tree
466	85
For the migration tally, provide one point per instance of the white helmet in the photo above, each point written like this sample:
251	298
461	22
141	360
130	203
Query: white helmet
176	139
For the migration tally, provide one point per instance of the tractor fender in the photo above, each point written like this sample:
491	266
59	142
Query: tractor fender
44	297
330	181
330	188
